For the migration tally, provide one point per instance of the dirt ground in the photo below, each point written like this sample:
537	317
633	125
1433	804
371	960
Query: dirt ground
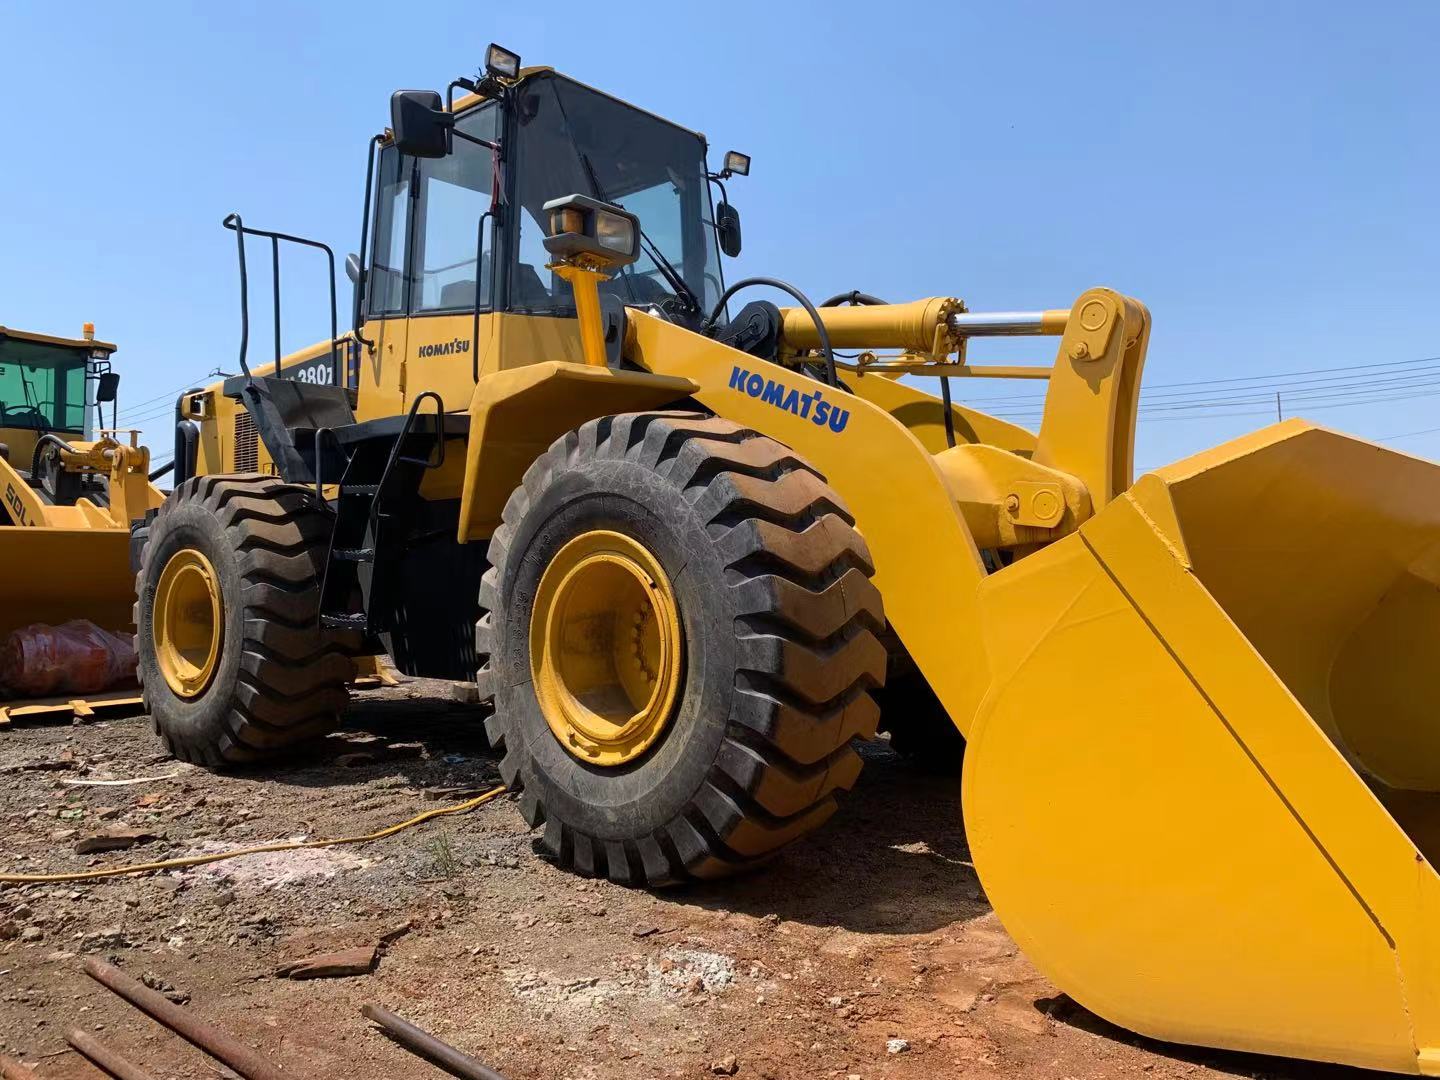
866	951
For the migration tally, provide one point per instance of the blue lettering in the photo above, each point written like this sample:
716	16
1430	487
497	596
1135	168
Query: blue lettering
811	406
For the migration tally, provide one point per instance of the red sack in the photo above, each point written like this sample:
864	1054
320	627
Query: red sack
74	658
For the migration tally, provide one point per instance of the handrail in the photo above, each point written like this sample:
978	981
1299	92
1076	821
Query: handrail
241	230
400	441
362	285
479	273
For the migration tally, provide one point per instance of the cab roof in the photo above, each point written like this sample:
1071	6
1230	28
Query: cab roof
7	332
471	100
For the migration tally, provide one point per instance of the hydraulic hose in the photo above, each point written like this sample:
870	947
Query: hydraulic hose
854	297
40	443
800	298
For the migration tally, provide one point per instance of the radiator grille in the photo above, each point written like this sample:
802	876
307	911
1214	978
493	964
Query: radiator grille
246	455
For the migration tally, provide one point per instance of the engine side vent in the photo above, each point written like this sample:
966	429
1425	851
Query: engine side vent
247	457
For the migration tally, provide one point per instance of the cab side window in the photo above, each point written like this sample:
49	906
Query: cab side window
392	226
455	194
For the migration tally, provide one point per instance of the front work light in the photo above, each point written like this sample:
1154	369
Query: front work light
736	163
586	230
502	63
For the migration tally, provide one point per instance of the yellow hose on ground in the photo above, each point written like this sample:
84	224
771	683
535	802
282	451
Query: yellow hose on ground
219	856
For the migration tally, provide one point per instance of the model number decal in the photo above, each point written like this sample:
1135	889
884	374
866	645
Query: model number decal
315	374
810	406
17	507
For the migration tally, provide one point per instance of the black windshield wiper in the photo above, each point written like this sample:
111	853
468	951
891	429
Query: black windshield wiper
677	284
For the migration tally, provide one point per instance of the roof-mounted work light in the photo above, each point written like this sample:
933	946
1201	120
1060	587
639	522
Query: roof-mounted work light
736	164
502	63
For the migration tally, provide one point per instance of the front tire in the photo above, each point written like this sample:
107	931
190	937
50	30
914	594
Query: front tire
777	651
234	667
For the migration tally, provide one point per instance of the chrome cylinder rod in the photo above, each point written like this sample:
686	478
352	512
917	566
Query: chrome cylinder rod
968	324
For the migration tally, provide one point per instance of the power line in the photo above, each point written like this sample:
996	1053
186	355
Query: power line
169	397
1406	435
1314	400
1283	381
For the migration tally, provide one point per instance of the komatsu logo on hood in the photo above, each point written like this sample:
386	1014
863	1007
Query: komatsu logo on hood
810	406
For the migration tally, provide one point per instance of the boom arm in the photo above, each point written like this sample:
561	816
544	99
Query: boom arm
916	509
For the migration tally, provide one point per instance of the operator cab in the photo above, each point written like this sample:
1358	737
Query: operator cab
50	386
437	216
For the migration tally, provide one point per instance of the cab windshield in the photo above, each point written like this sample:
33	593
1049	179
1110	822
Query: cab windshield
574	140
42	387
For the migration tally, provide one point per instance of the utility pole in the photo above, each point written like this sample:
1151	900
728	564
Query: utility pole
1278	414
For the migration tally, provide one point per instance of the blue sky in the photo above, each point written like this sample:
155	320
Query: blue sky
1262	175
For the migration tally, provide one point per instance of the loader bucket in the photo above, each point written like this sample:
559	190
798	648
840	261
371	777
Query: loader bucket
1203	791
52	575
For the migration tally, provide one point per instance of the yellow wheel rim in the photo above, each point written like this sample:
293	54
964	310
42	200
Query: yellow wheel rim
606	650
186	624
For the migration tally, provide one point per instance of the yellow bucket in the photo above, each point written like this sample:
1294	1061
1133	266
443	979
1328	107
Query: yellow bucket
1203	790
50	575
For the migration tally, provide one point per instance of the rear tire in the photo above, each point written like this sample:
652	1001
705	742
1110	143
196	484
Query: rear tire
275	679
778	621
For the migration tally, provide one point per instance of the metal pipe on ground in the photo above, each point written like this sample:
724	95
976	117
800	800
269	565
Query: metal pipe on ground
104	1058
220	1045
428	1046
10	1069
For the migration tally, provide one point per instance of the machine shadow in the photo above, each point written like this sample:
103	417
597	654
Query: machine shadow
893	860
414	734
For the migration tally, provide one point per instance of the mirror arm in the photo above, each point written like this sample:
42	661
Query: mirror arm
468	85
493	147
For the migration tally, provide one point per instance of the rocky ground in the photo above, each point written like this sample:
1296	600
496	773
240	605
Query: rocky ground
868	951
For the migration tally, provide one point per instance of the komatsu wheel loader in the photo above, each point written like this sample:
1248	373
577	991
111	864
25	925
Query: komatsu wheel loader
681	545
70	491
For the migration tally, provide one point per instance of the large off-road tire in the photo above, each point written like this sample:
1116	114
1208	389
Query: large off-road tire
775	621
233	664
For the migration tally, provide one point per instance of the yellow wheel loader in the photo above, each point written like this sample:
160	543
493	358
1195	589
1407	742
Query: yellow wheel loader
682	544
70	493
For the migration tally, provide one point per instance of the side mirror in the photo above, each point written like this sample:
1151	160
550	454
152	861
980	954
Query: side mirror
352	268
420	126
108	387
727	224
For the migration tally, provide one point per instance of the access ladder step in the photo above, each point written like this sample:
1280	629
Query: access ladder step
343	622
360	489
353	554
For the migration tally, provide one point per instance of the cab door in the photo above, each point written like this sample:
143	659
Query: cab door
452	260
382	362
